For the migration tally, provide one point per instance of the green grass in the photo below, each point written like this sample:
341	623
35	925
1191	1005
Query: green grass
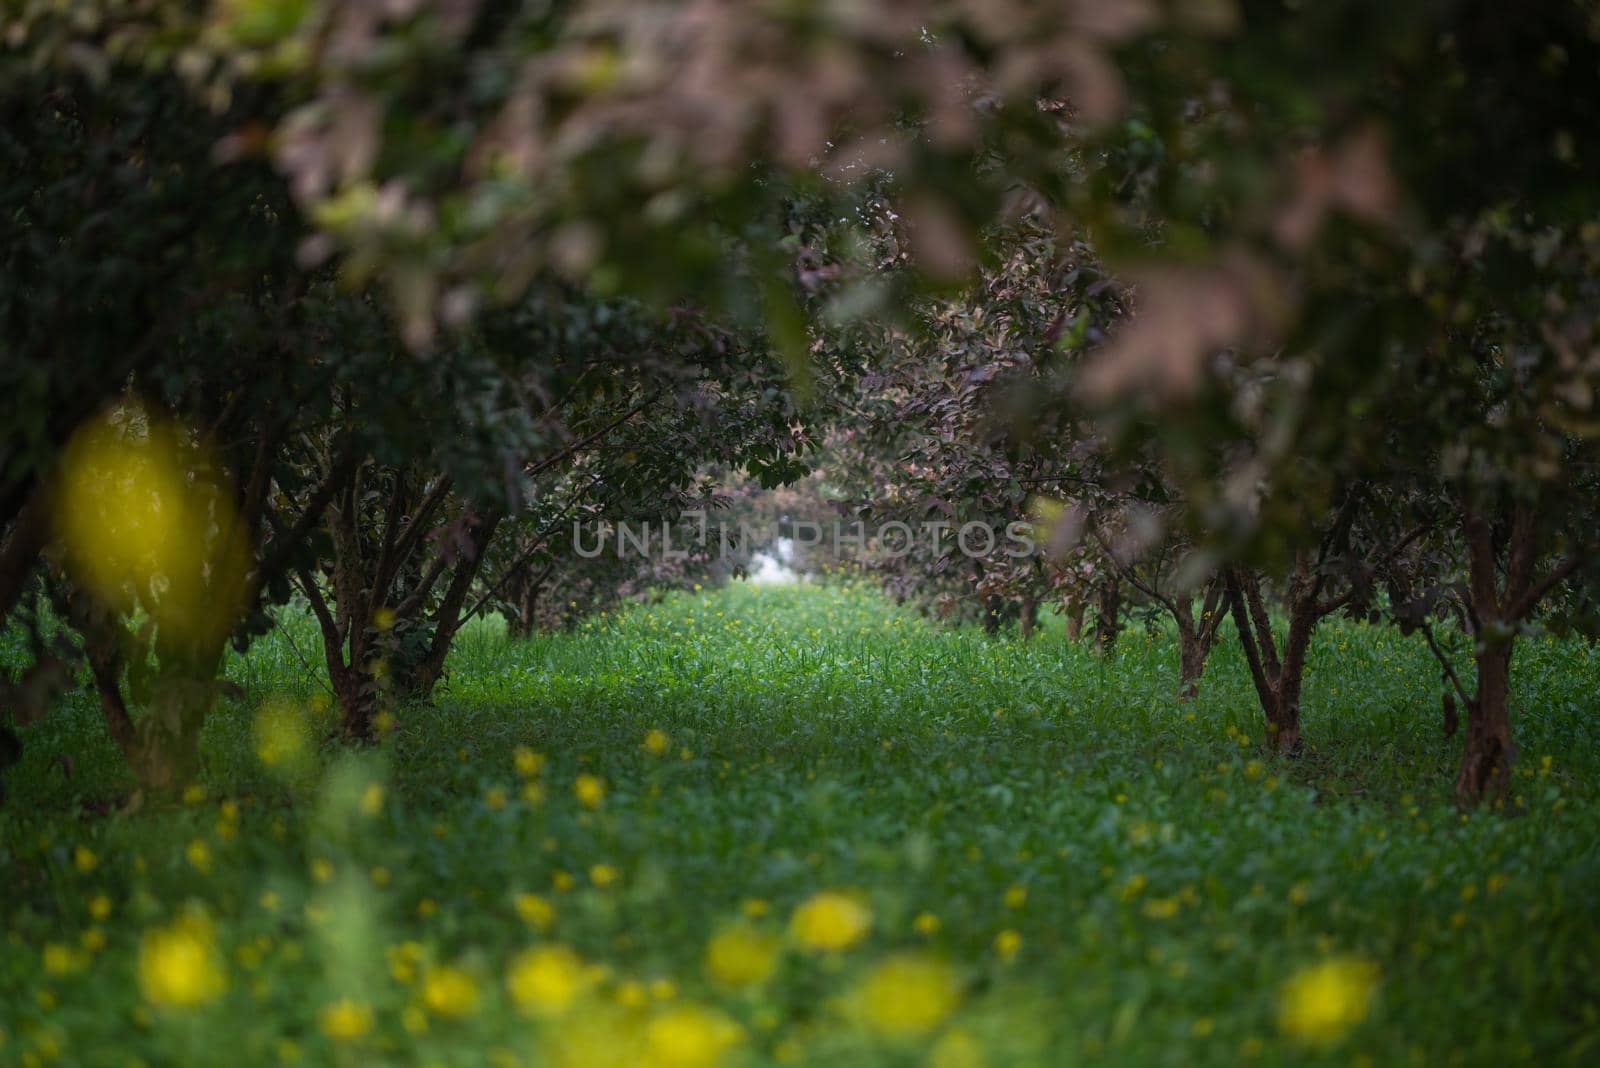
1173	876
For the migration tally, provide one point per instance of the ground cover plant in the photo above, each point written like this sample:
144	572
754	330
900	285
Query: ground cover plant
1200	399
802	825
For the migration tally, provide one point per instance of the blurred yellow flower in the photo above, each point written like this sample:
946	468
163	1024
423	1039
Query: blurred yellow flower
58	959
1007	943
830	920
403	960
451	992
740	955
907	995
84	859
372	799
548	980
956	1049
199	856
528	763
1016	897
282	736
1161	908
926	923
535	910
657	741
178	964
688	1036
603	875
345	1020
1321	1003
100	906
591	789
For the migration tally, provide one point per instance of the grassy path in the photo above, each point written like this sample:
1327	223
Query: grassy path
592	851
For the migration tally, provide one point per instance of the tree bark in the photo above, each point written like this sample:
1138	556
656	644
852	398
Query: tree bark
1488	755
1277	681
1075	612
1488	752
1108	616
1028	617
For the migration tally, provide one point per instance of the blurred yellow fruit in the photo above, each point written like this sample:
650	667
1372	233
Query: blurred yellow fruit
146	520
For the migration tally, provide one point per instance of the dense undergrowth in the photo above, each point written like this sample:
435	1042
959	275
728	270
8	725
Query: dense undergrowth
592	851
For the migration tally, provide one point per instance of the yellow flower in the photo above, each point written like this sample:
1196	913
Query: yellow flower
282	737
535	910
907	995
84	859
657	741
603	875
345	1020
1321	1003
372	799
1007	943
591	789
739	955
1161	908
199	855
957	1049
403	960
688	1036
450	992
179	965
528	763
926	923
58	959
1016	897
495	798
830	920
100	906
548	980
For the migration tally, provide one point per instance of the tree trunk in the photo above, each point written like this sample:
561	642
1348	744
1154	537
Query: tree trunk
1108	617
1075	611
1283	722
1486	760
1191	659
1028	617
1277	682
357	693
1488	751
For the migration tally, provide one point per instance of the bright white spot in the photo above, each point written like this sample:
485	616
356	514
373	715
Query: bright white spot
772	568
